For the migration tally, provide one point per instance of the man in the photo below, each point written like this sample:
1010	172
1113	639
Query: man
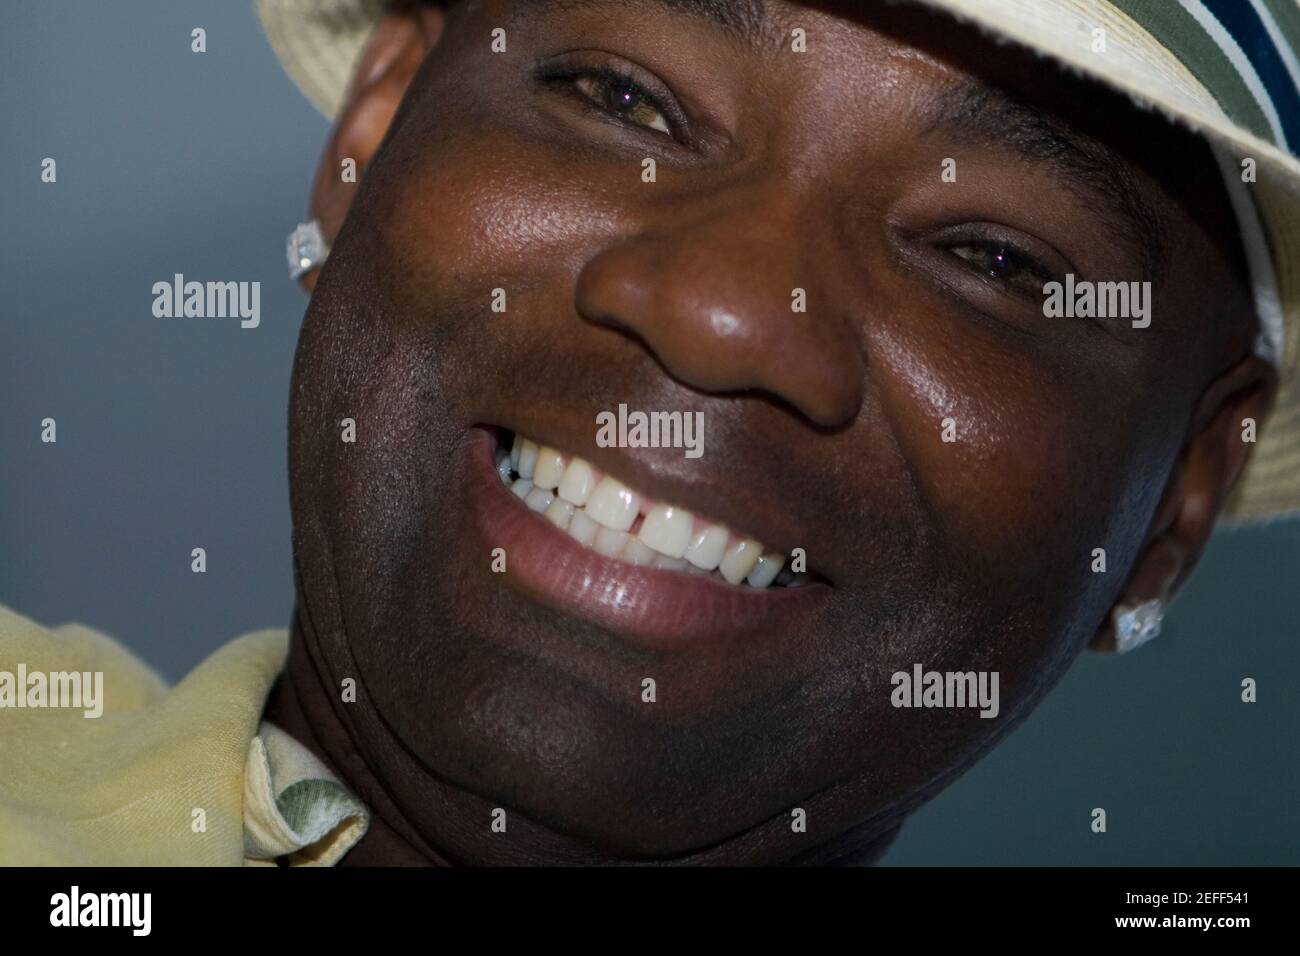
978	348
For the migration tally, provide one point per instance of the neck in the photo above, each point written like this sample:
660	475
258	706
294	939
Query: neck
299	704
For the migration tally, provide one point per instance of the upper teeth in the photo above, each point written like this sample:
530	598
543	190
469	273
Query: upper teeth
601	512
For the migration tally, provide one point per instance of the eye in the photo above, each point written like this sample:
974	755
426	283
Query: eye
620	96
1004	263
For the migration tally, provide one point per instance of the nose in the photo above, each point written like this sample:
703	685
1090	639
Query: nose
711	290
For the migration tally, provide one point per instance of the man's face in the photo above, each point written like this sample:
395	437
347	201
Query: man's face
948	458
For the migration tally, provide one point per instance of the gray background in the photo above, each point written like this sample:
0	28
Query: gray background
171	435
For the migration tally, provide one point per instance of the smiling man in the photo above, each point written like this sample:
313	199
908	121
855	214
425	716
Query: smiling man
829	233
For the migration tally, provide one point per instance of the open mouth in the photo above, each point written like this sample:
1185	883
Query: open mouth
572	539
603	514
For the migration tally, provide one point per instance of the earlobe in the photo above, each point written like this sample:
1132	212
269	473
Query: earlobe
1202	479
1136	616
383	74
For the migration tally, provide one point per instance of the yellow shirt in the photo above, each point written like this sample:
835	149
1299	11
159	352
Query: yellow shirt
183	776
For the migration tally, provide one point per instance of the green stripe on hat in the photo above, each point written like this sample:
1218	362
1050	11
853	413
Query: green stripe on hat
1178	31
1287	15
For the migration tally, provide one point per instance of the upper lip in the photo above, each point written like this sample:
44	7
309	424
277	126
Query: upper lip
666	475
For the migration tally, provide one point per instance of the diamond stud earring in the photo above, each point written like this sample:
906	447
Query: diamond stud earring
1134	626
306	249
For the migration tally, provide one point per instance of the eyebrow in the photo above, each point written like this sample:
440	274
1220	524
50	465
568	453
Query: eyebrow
746	20
992	117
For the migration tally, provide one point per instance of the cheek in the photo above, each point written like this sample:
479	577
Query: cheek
1024	464
474	215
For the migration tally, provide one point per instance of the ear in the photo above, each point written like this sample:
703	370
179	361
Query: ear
1211	461
397	47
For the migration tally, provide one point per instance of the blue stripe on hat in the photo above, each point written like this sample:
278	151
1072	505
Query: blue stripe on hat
1243	23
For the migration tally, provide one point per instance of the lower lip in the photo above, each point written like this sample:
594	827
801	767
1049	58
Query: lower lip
649	605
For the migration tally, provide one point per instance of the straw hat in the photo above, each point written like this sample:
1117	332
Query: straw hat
1229	69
